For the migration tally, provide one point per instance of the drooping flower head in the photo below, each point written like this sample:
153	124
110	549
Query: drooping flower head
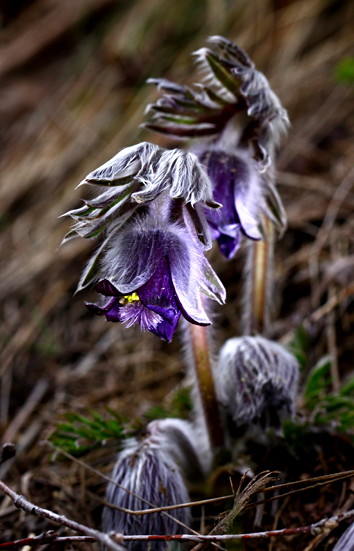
152	272
146	476
235	121
257	381
151	260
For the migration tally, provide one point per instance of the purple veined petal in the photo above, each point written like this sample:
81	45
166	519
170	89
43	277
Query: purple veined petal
169	314
159	290
115	312
106	288
138	314
158	295
228	174
186	273
248	222
165	329
231	230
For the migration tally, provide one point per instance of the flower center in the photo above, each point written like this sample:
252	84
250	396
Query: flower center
128	299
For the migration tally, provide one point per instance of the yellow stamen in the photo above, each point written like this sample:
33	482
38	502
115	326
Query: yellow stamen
128	299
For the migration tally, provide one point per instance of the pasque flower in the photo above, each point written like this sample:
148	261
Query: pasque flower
236	122
151	262
152	272
236	185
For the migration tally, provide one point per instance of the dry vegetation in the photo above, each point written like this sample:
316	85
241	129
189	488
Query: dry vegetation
72	93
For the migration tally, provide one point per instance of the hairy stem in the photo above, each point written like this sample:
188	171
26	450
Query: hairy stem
201	358
259	283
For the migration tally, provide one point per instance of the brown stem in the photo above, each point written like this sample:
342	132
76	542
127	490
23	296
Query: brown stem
200	350
259	283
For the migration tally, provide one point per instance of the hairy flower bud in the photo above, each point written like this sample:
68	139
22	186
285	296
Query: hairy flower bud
257	381
146	476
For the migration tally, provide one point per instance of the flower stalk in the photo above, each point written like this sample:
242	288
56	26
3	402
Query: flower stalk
259	282
200	356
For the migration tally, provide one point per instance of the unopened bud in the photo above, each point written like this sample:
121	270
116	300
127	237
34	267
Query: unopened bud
257	381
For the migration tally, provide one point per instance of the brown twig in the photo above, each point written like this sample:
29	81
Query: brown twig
46	537
314	529
315	481
22	503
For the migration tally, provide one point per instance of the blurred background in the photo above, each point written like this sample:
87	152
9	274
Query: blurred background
72	92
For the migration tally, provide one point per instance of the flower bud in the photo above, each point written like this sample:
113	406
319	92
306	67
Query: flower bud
236	121
257	381
145	476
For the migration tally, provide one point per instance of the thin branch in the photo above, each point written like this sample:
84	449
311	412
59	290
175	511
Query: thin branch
297	490
318	481
46	537
107	539
22	503
313	529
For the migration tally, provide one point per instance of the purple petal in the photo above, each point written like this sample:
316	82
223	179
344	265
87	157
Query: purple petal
165	329
134	256
237	188
186	273
248	222
101	310
114	313
137	314
229	245
223	171
159	296
106	288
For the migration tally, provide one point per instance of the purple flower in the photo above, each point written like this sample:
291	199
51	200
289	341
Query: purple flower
236	121
238	187
153	272
145	178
